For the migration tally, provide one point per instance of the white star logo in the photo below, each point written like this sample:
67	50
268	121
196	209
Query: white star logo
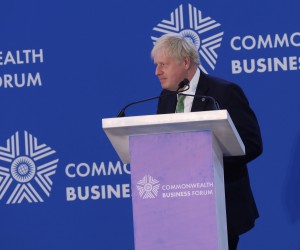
148	187
25	170
204	32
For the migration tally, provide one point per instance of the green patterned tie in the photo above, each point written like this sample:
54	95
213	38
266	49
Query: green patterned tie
180	104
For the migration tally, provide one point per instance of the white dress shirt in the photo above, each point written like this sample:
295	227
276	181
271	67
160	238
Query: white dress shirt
188	100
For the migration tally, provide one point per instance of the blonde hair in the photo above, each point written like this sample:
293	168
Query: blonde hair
176	46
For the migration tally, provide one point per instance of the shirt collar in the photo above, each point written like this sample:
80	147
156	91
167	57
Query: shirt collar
194	83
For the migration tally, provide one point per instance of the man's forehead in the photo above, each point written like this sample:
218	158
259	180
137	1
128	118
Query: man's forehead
162	55
162	58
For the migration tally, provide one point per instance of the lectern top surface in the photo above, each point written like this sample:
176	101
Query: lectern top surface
219	122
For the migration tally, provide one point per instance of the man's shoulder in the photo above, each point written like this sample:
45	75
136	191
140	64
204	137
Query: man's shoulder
216	83
215	80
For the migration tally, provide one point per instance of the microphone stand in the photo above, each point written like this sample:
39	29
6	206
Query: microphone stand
181	85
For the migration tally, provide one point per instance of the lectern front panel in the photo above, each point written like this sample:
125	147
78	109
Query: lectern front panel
173	191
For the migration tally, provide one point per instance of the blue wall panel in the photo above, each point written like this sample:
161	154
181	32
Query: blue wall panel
91	59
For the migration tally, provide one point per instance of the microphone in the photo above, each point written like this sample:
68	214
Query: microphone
181	85
215	104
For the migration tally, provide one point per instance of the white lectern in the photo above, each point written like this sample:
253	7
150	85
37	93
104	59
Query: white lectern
177	176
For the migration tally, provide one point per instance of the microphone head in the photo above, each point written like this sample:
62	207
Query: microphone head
183	83
121	113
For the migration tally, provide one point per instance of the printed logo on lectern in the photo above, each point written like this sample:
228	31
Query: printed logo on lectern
26	168
204	32
148	187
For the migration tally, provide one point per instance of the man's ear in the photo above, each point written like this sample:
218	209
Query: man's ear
187	62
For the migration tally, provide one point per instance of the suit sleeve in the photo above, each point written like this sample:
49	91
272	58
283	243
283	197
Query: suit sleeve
246	123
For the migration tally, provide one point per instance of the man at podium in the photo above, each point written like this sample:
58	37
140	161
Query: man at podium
176	59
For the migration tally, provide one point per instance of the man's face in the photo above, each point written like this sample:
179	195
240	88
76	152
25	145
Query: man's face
170	71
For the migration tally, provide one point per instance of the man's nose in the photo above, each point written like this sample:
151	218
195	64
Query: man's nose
158	71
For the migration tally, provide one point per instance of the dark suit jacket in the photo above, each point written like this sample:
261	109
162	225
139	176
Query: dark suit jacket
240	205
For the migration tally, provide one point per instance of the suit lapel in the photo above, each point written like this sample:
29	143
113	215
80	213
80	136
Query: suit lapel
167	102
199	104
172	104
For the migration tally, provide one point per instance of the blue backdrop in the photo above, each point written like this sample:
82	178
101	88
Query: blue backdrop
66	65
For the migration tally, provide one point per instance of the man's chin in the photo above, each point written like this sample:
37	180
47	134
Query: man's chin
166	87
